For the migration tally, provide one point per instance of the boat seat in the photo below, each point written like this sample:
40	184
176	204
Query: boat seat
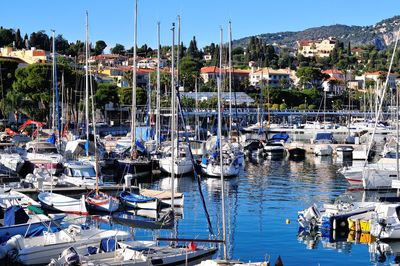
108	244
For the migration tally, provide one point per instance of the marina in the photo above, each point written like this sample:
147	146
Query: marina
273	149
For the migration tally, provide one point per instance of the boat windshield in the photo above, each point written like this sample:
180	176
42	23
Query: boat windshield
83	172
45	150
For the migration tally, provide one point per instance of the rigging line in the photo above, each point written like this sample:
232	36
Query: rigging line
210	228
383	96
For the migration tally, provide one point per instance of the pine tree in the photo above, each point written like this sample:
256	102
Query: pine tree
18	40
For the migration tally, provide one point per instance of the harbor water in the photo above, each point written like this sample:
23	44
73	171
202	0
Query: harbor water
261	206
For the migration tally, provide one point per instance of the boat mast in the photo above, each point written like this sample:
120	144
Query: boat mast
158	131
220	148
173	124
87	80
96	158
53	123
133	111
57	124
62	103
230	76
197	126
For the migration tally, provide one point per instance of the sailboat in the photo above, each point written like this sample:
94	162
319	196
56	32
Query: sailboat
54	201
225	260
228	165
138	161
97	200
384	178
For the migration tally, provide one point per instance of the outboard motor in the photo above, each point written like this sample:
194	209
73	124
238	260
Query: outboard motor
14	243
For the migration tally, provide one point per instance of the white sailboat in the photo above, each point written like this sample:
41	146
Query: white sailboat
220	161
182	164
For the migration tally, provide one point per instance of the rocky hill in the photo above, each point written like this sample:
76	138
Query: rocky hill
381	34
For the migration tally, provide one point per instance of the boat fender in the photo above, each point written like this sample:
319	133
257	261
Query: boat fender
73	229
192	246
14	243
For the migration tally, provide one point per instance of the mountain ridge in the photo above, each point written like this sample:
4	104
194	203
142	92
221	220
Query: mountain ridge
380	34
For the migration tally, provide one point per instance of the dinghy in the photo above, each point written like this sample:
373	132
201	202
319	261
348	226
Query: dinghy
100	201
136	201
61	203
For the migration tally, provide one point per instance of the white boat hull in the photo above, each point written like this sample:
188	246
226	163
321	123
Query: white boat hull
181	166
63	203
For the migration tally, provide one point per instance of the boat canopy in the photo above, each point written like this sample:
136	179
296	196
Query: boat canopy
280	136
15	215
324	136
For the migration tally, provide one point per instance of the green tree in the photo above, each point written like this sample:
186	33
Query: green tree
99	47
118	49
190	69
125	96
40	40
6	37
18	40
192	50
62	44
310	76
106	93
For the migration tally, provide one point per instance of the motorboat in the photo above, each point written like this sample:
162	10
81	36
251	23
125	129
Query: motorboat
41	178
344	151
386	224
41	249
16	221
43	155
82	174
296	150
142	253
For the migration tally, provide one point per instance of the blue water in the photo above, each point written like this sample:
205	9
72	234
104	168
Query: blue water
258	202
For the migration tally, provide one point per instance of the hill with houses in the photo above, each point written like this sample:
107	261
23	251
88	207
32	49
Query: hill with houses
381	34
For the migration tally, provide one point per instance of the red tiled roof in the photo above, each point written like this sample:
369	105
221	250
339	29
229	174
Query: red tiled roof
214	69
38	53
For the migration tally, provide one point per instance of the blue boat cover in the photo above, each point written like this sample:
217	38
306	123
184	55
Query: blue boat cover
324	136
140	147
280	136
15	215
108	244
52	139
132	197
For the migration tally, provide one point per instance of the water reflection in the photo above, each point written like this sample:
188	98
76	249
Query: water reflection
260	200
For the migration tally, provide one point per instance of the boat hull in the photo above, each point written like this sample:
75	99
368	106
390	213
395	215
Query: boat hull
61	203
180	166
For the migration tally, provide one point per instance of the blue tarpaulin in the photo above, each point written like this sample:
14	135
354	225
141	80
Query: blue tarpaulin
15	215
140	147
144	133
52	139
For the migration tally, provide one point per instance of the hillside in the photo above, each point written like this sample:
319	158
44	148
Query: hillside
380	34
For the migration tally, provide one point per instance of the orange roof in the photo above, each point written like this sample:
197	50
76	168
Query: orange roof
335	78
38	53
209	69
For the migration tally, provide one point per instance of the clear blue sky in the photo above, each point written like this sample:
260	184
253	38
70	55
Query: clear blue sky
112	21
